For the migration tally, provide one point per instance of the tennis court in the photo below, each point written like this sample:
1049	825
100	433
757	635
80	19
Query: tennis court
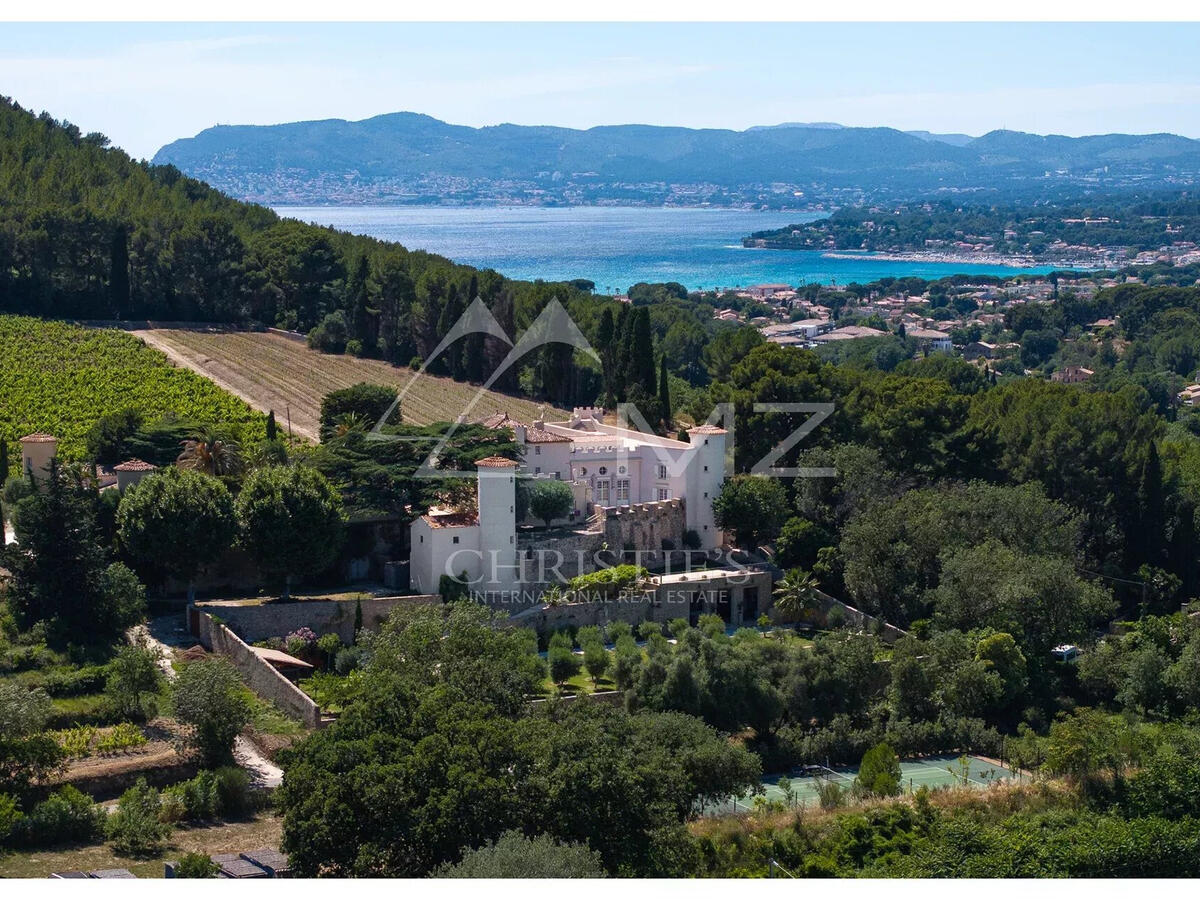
931	771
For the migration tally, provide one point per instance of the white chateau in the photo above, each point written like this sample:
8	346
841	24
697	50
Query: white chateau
637	490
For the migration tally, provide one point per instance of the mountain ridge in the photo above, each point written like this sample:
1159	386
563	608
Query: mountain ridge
414	154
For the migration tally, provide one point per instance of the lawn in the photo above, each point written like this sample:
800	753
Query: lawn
230	837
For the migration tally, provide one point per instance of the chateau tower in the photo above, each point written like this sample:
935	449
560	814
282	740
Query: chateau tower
497	495
37	450
705	476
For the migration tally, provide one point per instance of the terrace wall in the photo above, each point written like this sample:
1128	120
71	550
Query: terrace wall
260	676
258	622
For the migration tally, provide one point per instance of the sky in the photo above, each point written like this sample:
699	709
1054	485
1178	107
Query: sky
145	85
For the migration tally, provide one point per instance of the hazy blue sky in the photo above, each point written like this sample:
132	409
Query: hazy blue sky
145	85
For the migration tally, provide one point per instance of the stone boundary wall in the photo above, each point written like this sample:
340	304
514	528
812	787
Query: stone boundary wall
253	623
260	676
860	619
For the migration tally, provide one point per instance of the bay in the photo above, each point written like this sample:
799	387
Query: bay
619	246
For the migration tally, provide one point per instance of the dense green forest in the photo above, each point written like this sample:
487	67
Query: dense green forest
1138	222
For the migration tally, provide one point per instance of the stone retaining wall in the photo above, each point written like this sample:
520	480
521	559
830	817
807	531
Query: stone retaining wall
258	622
260	676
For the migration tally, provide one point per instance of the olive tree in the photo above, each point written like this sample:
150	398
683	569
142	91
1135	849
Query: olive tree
211	698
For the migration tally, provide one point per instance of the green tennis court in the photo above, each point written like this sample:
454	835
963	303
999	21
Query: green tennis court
932	772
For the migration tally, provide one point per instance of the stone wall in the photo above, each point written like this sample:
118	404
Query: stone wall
859	619
643	526
259	675
258	622
640	527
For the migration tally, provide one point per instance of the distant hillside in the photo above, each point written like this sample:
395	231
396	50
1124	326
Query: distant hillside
407	157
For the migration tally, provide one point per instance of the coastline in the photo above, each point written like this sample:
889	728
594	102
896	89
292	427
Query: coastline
979	259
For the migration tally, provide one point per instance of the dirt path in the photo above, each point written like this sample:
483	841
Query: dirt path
263	773
210	369
271	371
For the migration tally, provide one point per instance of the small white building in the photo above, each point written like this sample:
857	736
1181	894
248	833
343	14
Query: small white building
131	472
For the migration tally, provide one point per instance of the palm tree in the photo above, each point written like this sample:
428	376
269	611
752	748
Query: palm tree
348	422
796	595
211	454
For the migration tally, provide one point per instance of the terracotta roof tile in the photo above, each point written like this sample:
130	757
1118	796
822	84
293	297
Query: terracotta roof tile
707	429
495	462
451	520
38	437
135	465
498	420
541	436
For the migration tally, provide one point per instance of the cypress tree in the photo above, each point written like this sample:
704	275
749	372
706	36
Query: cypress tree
360	313
664	393
3	460
604	342
118	278
1150	502
271	427
642	352
622	342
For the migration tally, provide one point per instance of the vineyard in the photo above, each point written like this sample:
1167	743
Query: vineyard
60	378
271	371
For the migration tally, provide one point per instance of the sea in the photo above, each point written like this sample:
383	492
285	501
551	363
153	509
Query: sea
615	247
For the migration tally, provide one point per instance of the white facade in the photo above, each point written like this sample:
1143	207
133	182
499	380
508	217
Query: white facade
605	466
482	544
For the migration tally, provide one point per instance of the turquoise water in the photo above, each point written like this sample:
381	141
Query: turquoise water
618	246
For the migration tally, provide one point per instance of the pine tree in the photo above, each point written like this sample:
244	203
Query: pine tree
664	394
272	431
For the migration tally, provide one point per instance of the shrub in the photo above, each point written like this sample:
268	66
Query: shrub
10	817
135	829
73	682
364	401
354	347
196	865
66	816
210	795
133	681
347	660
76	742
173	809
514	855
232	790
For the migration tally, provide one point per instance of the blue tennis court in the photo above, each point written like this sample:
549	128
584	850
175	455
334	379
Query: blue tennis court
932	772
